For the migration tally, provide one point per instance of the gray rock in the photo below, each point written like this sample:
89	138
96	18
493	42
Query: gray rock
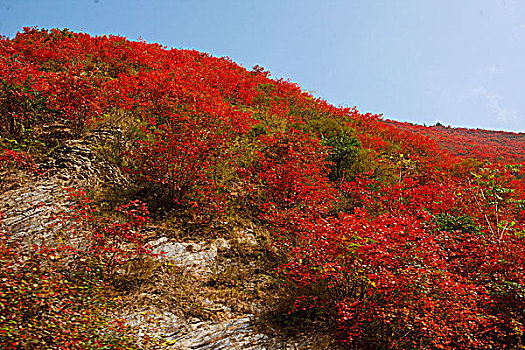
221	244
178	333
192	257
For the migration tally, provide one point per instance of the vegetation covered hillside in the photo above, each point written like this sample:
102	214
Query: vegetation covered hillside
374	233
474	143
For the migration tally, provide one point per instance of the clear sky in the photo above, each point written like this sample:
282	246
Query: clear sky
459	62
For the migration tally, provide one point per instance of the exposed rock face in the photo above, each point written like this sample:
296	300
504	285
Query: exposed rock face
194	334
28	212
234	331
195	258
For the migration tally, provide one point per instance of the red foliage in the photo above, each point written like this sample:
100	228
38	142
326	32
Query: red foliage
475	143
54	297
109	242
43	304
417	248
401	279
289	169
14	159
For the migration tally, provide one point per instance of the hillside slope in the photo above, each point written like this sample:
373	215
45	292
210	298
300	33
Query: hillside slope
475	143
217	194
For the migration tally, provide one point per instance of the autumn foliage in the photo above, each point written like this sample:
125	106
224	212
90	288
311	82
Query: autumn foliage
395	237
475	143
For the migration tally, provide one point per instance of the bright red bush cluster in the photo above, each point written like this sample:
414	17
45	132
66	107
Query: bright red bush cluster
16	159
414	265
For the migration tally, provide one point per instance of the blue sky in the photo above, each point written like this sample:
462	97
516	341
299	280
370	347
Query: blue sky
459	62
